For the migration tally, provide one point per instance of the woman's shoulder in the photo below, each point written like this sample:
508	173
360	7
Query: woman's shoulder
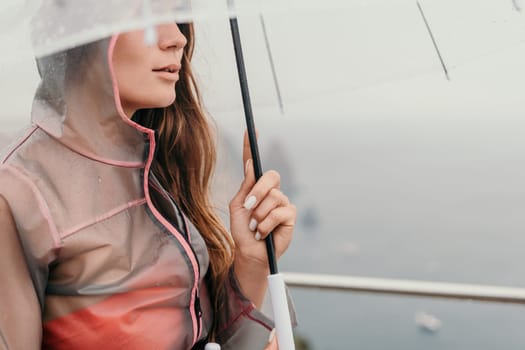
23	156
20	197
20	141
23	213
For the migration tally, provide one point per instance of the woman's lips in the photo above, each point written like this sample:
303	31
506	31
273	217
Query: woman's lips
169	72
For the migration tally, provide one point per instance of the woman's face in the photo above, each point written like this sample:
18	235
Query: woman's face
146	75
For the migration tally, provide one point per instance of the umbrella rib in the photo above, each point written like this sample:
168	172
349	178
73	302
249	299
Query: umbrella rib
433	40
272	65
516	5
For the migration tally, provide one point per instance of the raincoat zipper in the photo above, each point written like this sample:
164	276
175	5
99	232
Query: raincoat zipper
186	244
187	236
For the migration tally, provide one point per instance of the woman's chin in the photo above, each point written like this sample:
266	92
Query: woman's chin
164	102
170	99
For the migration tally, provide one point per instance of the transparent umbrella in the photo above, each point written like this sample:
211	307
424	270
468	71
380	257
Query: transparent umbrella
317	48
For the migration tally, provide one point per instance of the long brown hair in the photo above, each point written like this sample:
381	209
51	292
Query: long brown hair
184	164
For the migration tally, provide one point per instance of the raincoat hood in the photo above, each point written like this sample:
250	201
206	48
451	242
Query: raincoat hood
78	104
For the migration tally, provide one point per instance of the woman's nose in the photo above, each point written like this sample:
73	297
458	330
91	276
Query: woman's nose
170	37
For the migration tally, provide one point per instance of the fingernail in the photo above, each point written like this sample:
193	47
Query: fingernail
272	335
257	236
253	225
247	166
250	202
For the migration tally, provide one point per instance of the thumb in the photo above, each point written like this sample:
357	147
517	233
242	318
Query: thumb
246	149
249	174
246	185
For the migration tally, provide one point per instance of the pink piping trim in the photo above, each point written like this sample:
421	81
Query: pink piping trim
108	161
246	311
92	156
155	212
29	133
249	315
106	216
42	205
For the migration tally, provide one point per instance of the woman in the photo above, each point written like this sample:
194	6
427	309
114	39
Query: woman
108	236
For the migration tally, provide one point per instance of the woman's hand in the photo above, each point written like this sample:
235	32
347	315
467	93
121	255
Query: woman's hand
255	211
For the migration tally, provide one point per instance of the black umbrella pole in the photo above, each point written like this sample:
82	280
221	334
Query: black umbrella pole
248	113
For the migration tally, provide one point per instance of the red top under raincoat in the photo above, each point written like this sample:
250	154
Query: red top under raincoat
106	266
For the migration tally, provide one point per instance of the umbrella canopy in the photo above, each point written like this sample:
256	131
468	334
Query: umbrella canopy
318	49
59	25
